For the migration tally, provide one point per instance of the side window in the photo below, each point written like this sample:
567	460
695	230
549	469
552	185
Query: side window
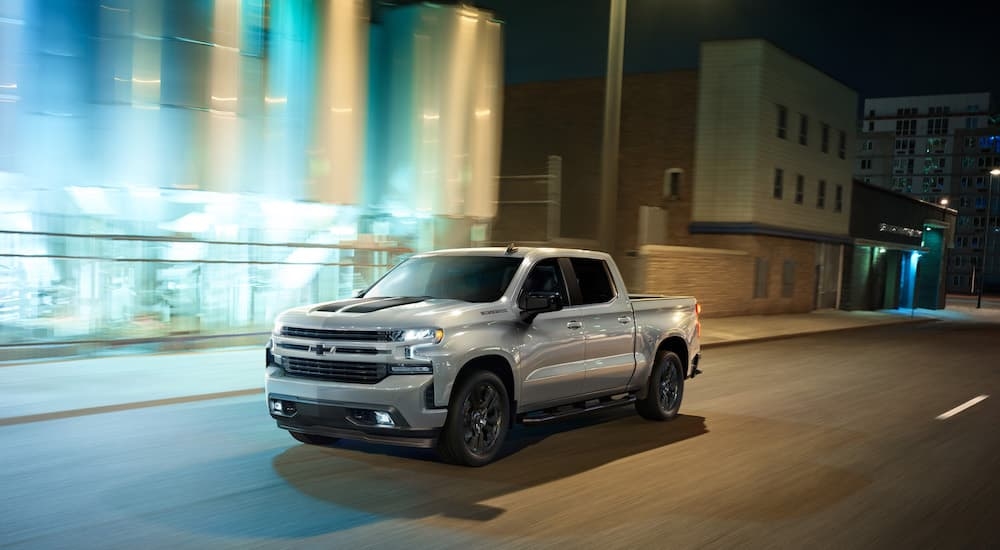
594	281
546	276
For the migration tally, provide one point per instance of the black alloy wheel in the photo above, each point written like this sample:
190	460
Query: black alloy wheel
665	388
478	420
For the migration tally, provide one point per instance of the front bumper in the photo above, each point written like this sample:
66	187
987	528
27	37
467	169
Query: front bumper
346	410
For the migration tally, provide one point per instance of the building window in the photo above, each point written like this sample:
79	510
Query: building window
871	126
871	113
838	198
937	126
866	164
800	187
760	278
821	195
971	123
788	279
906	127
803	129
936	145
868	145
782	121
672	184
824	142
842	150
779	176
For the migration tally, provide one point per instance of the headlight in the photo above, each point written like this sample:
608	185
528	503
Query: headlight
414	335
410	369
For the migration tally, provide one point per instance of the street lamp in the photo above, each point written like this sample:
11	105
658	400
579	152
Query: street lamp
986	239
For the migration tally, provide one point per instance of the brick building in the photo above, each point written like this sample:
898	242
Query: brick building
734	179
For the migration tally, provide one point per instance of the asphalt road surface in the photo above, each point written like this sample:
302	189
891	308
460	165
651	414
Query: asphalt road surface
828	441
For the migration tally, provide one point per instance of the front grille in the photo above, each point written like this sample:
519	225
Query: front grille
355	335
337	371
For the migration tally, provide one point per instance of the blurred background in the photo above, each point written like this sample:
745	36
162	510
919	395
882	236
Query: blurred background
193	168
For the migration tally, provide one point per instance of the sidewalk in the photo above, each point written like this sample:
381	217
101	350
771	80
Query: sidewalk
61	388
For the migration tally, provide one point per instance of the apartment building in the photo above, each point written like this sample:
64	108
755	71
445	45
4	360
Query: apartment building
940	149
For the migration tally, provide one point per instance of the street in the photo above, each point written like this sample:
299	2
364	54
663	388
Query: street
823	441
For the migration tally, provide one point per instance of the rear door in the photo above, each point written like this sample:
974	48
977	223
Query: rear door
608	326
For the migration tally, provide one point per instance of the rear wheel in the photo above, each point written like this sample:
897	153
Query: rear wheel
311	439
665	388
477	420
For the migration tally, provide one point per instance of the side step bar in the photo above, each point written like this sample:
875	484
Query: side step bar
557	413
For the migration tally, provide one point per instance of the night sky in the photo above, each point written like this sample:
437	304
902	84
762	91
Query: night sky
878	48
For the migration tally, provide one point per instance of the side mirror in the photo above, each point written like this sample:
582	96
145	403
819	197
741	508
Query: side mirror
533	303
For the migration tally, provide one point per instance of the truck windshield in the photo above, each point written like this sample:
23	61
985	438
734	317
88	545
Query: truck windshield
467	278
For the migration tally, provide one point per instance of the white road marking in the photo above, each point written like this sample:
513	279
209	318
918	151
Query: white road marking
970	403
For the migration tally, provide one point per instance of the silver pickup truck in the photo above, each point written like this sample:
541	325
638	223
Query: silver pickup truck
449	348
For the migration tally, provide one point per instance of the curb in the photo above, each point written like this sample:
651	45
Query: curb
739	341
72	413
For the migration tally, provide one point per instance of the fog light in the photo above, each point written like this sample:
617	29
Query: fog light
382	418
276	405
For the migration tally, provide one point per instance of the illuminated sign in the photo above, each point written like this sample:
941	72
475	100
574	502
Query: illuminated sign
907	231
990	142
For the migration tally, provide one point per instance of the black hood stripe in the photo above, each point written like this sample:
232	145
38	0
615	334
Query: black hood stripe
378	304
341	304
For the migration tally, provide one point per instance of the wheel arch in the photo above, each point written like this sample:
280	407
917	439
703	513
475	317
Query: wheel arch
679	346
497	364
673	343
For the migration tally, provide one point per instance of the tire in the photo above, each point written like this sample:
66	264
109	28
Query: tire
478	418
665	388
311	439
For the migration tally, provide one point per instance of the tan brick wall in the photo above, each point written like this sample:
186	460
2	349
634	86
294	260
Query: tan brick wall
721	276
717	278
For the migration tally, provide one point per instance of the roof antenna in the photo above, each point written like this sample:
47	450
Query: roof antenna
510	249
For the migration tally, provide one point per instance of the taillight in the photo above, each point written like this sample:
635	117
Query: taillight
697	308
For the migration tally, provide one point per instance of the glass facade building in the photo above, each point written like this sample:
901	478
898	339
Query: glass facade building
192	168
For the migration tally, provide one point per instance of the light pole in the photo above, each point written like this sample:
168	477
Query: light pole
612	122
986	239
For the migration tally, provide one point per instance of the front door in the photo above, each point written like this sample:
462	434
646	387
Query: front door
552	363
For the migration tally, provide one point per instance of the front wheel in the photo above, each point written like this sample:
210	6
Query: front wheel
477	421
665	388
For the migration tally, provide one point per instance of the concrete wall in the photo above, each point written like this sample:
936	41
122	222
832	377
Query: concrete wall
742	84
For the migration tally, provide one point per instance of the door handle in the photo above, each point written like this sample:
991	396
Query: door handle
574	325
624	319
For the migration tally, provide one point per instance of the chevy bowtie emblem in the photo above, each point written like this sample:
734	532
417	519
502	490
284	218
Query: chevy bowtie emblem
320	349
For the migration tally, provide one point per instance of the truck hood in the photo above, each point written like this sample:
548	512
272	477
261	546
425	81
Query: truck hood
388	313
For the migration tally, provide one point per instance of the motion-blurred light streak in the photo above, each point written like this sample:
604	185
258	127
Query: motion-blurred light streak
155	153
